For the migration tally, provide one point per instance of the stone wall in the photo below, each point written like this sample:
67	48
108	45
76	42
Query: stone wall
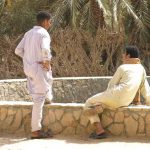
67	119
15	112
76	89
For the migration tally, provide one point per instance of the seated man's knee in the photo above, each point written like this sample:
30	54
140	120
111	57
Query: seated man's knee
90	110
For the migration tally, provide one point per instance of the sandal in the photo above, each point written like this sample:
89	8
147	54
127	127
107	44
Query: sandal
42	135
98	136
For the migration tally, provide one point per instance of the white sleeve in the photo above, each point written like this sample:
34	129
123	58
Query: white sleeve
145	91
45	46
20	48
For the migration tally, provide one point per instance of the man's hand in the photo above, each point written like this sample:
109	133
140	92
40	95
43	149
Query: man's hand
45	65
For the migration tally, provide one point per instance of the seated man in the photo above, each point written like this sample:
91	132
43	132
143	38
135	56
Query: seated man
122	88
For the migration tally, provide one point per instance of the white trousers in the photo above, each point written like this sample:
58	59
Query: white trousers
40	88
37	111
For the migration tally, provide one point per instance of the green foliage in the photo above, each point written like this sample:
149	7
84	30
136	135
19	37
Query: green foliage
2	3
128	19
20	16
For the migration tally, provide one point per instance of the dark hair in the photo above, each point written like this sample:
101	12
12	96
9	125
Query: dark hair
42	15
133	51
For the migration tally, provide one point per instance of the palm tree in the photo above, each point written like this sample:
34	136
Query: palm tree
117	15
79	13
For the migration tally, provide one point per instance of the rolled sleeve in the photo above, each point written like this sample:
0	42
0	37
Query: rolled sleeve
145	91
45	46
20	48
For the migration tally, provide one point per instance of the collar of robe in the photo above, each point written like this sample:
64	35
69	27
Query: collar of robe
132	61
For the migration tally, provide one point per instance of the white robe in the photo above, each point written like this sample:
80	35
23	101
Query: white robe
35	47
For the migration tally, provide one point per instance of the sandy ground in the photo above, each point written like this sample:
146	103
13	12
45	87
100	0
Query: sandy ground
59	142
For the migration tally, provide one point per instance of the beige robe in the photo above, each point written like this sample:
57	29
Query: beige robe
123	86
122	89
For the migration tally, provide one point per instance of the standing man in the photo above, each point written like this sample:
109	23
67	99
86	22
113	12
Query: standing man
122	89
34	49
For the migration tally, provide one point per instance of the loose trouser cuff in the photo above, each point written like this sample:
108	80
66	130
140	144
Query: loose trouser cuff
94	118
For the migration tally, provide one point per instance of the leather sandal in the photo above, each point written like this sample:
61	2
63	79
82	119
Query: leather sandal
98	136
41	134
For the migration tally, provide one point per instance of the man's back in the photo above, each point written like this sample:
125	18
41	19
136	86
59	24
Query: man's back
33	44
126	82
34	48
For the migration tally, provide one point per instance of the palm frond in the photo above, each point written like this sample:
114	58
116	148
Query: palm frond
60	15
139	31
84	16
130	9
76	7
102	6
2	3
68	12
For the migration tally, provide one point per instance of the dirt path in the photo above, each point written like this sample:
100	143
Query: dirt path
10	142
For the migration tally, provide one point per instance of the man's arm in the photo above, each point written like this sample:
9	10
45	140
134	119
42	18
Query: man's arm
46	53
20	48
145	91
116	78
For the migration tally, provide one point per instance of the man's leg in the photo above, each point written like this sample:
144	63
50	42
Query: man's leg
49	95
94	118
37	118
92	108
37	110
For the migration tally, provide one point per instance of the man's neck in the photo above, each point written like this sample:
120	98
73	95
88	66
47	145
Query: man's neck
132	61
41	26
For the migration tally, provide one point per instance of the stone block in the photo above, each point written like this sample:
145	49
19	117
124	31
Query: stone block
27	124
119	117
3	113
141	127
69	131
147	119
90	128
131	126
46	120
116	129
135	116
59	113
84	120
11	111
80	130
26	112
56	128
17	120
51	116
7	123
77	114
68	120
148	130
106	120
